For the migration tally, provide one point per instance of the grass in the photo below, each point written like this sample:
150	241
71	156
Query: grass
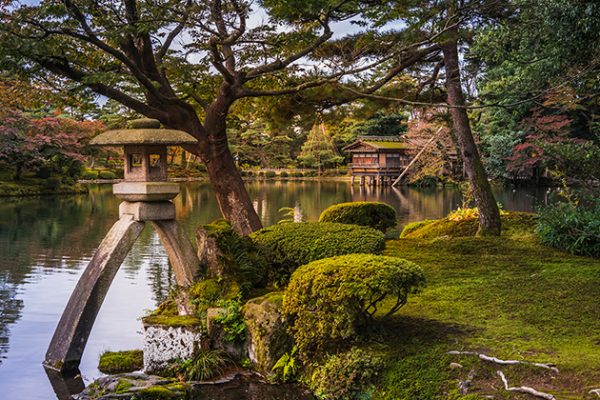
508	297
32	186
117	362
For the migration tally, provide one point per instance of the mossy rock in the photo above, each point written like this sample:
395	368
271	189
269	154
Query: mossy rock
157	393
117	362
267	331
377	215
513	223
172	320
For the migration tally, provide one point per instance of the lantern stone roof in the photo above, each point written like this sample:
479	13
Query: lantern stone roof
143	131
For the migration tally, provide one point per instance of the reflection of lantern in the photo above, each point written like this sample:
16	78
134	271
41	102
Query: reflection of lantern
146	194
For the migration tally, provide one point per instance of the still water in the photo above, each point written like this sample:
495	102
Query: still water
45	243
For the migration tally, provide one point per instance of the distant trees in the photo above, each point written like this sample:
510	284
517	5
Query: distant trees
44	145
319	151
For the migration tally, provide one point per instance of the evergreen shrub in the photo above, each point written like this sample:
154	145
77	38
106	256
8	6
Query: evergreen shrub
335	299
89	175
287	246
298	175
270	174
571	227
377	215
284	174
107	175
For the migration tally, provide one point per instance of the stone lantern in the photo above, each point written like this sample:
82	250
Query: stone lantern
146	196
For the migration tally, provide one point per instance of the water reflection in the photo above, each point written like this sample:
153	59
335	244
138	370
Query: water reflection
45	243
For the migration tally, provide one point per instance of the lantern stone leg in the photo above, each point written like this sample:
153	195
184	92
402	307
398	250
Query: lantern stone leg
75	325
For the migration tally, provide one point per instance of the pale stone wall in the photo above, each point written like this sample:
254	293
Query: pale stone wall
167	343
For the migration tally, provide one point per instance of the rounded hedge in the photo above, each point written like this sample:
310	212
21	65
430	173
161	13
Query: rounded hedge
335	298
377	215
107	175
287	246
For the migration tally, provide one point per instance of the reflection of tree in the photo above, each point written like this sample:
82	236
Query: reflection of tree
10	311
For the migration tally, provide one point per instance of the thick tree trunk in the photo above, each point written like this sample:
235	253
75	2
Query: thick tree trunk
489	214
232	197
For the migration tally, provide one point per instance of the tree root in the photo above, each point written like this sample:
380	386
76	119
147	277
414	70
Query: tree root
524	389
505	362
595	391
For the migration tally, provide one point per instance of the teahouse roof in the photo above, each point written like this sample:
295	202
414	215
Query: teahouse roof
143	131
380	143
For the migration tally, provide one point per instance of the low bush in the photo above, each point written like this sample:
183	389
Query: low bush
117	362
287	246
377	215
570	227
107	175
310	173
261	174
298	175
89	175
347	376
284	174
336	298
270	174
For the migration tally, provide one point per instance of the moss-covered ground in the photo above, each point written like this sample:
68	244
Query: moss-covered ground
507	297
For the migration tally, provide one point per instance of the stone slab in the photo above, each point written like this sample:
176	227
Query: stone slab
148	211
146	191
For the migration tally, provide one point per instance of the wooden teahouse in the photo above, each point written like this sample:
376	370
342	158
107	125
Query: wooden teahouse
379	159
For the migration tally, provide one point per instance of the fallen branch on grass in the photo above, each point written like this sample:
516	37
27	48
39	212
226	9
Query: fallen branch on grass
504	362
524	389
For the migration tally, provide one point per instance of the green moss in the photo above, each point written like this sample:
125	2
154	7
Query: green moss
513	224
123	386
413	226
206	289
508	297
117	362
173	321
166	308
157	393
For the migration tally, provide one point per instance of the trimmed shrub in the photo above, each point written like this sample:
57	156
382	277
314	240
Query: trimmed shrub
270	174
336	298
261	174
89	175
284	174
377	215
107	175
310	173
298	175
570	227
347	376
287	246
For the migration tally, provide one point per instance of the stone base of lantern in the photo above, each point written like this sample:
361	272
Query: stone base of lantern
146	191
148	211
164	344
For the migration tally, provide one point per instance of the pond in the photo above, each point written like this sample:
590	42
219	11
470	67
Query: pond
45	243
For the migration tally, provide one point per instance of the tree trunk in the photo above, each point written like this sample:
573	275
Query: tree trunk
489	214
232	197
